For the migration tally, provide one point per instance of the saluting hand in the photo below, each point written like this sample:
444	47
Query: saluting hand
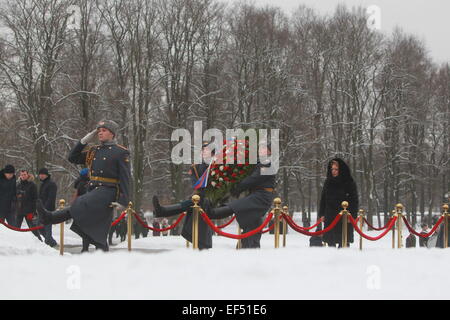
89	137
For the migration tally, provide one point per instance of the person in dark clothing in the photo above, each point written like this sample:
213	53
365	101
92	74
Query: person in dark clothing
423	241
47	194
156	225
249	210
316	241
8	194
109	186
339	186
441	237
205	233
410	241
26	195
81	185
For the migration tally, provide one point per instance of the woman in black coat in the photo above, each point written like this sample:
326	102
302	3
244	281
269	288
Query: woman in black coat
339	186
8	194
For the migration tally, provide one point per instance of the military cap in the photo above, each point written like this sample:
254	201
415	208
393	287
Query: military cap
108	124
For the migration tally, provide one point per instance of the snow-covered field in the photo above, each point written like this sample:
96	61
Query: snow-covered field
166	269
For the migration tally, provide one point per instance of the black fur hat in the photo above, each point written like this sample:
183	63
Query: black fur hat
9	168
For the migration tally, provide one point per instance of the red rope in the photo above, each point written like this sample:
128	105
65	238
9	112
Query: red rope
312	227
411	230
119	219
227	224
18	229
156	229
372	227
303	231
234	236
389	227
269	229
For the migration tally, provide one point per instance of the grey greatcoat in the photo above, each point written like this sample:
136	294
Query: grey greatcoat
109	166
251	209
259	201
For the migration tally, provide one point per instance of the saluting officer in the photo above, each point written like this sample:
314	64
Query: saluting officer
109	171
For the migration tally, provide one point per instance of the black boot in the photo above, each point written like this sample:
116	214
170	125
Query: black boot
47	217
85	245
171	210
221	213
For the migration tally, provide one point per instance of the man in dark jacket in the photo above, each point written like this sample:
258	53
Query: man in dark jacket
8	194
47	194
410	241
339	186
26	195
205	233
109	186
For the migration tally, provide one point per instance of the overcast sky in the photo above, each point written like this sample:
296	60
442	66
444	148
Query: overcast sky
428	19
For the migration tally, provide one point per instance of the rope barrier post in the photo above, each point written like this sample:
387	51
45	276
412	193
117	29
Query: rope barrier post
361	225
394	214
277	210
195	212
344	214
445	207
129	224
399	207
286	212
62	204
239	242
187	244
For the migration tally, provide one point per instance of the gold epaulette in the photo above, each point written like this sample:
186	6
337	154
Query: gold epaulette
123	147
88	148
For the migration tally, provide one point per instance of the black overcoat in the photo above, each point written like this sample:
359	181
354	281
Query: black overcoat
47	193
7	195
334	192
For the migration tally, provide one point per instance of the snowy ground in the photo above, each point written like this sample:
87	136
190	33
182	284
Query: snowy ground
166	269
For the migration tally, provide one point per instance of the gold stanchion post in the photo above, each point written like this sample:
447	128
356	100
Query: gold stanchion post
195	218
344	214
361	225
399	208
445	207
129	224
62	203
286	212
394	214
239	242
187	244
277	211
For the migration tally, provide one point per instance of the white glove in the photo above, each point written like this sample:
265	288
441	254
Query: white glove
118	206
89	137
